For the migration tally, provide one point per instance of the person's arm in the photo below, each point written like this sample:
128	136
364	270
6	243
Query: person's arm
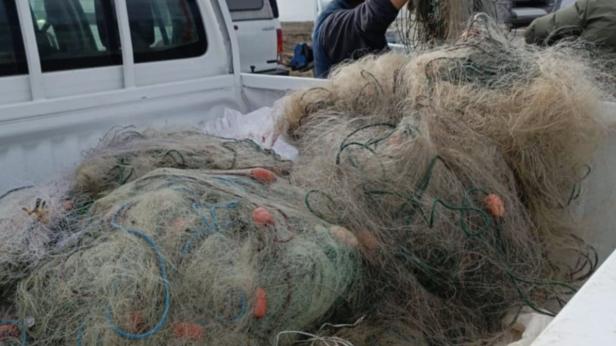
375	16
362	27
369	20
567	20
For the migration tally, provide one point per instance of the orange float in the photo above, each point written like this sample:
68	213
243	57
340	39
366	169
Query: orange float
263	175
260	309
262	217
188	331
495	205
344	236
8	331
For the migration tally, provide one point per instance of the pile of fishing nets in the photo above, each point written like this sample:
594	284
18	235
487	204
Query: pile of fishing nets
430	205
35	219
456	169
162	254
192	257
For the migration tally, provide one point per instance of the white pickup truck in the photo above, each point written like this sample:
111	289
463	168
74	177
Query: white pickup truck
257	21
65	81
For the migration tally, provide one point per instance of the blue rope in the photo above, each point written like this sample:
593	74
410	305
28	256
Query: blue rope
80	333
235	181
163	274
22	328
243	307
210	227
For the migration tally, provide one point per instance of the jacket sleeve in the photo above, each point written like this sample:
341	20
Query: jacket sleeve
566	20
367	22
374	16
600	23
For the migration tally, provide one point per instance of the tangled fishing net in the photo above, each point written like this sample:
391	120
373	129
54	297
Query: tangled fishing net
222	257
32	221
124	155
193	257
430	23
600	61
430	204
455	168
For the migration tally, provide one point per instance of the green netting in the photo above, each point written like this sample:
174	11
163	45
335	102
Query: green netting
183	248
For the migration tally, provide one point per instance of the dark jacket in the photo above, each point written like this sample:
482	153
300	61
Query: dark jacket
344	32
590	20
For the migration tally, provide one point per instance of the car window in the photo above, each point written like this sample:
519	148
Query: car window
12	55
274	6
73	34
245	5
166	29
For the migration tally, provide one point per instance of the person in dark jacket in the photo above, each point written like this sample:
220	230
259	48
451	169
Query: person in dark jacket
350	29
592	21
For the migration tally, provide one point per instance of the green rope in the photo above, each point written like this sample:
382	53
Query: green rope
344	145
316	212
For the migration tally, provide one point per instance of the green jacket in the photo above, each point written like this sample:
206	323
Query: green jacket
591	20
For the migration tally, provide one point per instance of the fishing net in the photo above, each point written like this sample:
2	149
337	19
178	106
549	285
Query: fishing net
380	332
33	221
537	106
193	257
42	222
124	155
601	61
452	247
455	169
430	23
431	202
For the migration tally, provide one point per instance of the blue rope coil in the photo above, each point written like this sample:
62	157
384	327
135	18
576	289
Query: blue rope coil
163	274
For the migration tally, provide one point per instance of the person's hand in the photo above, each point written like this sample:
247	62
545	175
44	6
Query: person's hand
398	4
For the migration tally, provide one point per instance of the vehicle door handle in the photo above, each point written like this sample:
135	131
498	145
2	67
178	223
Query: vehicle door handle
236	27
271	28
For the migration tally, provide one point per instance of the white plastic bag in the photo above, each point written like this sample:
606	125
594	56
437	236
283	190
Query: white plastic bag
527	327
257	126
